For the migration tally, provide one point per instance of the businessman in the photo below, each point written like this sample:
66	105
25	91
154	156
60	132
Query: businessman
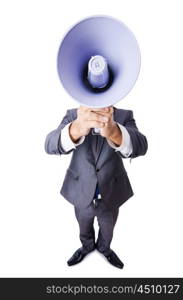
96	182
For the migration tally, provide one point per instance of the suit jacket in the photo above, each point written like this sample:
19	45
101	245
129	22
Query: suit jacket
94	161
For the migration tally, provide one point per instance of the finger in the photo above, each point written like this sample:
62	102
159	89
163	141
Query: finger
111	109
97	117
108	111
102	109
86	108
105	114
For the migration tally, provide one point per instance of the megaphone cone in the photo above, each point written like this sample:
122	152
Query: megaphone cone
107	38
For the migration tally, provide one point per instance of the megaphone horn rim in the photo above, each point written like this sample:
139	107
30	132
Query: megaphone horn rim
71	28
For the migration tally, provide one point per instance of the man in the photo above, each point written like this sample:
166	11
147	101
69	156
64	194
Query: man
96	182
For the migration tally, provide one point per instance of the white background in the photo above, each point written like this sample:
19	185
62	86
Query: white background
37	226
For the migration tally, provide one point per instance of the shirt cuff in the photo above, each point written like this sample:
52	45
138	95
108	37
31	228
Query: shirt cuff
126	147
66	143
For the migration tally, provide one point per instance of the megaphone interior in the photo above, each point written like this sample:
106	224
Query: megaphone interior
112	47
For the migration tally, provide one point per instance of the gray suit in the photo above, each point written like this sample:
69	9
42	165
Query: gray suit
95	162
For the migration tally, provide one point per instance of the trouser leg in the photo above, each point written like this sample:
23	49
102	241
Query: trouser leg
85	218
106	221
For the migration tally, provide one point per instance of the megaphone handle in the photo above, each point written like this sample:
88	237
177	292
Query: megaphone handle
96	131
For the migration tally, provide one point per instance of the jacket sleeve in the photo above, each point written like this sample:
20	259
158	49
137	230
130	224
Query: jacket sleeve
138	140
52	143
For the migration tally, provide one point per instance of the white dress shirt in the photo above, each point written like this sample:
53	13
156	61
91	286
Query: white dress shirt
125	148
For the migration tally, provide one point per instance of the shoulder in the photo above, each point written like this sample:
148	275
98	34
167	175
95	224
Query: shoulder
124	114
72	113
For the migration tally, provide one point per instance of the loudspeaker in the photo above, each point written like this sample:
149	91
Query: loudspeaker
98	61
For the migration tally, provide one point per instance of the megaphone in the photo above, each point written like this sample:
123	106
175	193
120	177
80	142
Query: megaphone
98	61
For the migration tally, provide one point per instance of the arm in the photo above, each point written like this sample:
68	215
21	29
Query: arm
111	131
80	126
67	142
125	148
52	142
138	140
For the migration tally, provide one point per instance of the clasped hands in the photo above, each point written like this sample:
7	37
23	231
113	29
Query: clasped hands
101	118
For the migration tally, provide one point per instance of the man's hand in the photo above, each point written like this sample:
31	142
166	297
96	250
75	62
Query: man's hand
101	118
87	118
111	130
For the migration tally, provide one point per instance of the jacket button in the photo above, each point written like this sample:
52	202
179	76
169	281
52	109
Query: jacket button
97	170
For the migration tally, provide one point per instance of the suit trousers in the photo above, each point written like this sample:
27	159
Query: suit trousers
106	221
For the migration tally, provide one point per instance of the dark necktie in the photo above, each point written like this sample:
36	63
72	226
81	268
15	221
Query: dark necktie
95	149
